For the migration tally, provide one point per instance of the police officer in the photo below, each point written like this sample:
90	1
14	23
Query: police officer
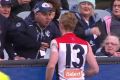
2	35
3	30
16	36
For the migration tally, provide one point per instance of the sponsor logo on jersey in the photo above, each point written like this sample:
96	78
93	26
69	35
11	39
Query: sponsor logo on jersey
73	73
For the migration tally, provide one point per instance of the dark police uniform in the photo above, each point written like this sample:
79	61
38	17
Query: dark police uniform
18	41
2	34
26	37
42	35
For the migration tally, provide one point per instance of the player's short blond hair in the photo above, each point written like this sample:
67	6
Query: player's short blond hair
69	21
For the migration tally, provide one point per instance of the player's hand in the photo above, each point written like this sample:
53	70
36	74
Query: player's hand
19	58
44	46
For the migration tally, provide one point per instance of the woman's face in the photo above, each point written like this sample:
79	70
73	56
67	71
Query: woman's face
86	8
112	44
116	8
52	15
5	10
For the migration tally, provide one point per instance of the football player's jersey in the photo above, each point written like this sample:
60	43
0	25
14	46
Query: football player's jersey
72	57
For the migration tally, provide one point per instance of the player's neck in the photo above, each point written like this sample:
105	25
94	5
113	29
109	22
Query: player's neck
66	32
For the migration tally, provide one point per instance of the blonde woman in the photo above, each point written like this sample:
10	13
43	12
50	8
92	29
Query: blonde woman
89	26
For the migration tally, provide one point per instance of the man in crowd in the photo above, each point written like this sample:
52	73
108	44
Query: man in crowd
39	26
28	38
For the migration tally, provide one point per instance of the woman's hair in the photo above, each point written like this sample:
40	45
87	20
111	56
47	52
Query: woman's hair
112	34
112	3
56	6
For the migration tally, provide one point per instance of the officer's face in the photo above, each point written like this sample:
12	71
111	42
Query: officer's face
43	19
5	10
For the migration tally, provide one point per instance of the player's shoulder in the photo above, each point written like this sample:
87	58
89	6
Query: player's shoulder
80	40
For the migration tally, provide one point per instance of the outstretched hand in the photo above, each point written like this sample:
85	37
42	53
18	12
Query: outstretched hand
96	31
44	46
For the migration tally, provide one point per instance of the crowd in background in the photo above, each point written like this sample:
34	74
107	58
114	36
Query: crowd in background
30	38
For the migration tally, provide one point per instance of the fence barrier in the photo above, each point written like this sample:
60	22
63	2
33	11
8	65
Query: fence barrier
35	69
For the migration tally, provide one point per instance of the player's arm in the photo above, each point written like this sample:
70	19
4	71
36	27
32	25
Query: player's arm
93	67
52	61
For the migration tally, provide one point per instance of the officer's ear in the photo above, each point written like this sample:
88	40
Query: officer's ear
36	14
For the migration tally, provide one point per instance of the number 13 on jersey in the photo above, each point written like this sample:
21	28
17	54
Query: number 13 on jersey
75	58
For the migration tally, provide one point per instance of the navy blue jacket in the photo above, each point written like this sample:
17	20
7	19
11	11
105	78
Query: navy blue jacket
22	42
82	26
47	34
41	35
3	28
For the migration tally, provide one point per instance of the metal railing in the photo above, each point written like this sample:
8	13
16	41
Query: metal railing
43	62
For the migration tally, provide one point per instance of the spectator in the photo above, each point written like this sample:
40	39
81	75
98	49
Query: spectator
65	52
16	33
113	21
110	47
56	6
20	6
89	26
38	25
2	35
3	29
65	5
27	5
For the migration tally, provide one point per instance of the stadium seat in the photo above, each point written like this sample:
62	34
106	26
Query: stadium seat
24	14
99	12
102	13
